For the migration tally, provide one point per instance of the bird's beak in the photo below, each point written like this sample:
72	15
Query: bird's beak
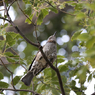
54	34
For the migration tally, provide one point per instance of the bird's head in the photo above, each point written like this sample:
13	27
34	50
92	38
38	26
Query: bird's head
52	38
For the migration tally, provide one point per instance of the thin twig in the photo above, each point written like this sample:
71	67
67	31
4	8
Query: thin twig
22	65
58	8
19	58
24	13
4	19
20	90
50	86
9	19
8	71
36	34
11	4
4	47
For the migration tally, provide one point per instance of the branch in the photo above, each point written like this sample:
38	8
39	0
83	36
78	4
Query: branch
20	90
24	13
5	19
9	72
9	19
55	69
59	9
40	48
11	4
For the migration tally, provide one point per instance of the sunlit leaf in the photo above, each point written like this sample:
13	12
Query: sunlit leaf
41	16
75	35
83	37
90	42
53	9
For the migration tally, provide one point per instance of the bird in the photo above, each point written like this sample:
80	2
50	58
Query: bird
39	63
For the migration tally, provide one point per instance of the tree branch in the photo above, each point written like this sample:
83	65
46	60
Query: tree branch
9	72
59	9
11	4
9	19
5	19
55	69
20	90
40	48
24	13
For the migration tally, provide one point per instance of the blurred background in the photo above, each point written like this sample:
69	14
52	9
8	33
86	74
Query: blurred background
65	25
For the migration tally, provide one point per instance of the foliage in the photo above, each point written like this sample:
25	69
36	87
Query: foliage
73	64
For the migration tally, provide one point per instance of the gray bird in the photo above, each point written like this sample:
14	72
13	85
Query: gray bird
39	63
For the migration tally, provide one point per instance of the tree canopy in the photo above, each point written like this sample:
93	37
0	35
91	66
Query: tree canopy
35	21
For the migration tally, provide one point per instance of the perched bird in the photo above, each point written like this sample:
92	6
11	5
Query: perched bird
39	63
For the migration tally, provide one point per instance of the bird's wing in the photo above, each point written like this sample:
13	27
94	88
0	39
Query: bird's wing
51	60
33	61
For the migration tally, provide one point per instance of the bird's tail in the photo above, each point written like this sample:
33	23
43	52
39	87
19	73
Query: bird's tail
27	78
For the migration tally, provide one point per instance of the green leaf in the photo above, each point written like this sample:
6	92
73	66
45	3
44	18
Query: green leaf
90	51
60	58
55	92
16	80
10	40
3	26
89	78
75	54
27	1
41	16
40	87
23	86
90	6
10	59
47	72
54	80
53	10
73	83
62	6
45	12
1	75
83	37
80	15
62	68
9	54
64	79
90	42
75	35
28	10
3	84
2	42
81	74
29	21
